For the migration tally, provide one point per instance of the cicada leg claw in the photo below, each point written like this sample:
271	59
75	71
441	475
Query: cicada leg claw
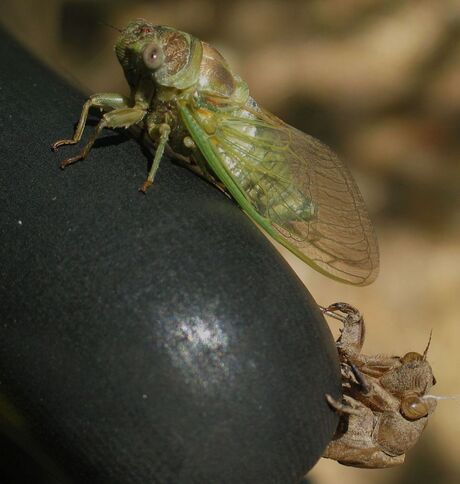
57	144
145	186
69	161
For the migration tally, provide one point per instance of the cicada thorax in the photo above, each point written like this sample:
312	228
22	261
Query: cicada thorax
216	77
205	80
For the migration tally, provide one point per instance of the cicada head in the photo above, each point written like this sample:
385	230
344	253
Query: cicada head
167	56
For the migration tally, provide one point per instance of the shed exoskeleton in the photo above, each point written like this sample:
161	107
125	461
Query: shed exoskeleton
385	405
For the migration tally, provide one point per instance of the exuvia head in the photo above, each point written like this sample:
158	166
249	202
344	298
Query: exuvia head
165	55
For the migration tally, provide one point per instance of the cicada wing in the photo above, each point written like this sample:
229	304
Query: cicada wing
291	184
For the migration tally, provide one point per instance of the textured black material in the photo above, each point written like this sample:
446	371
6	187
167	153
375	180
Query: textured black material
144	339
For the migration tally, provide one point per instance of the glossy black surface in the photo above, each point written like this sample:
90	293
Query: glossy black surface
144	339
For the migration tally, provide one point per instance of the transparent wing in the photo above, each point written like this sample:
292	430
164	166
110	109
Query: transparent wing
303	194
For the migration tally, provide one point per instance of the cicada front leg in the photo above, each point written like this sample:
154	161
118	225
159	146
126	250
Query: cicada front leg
118	115
105	101
351	339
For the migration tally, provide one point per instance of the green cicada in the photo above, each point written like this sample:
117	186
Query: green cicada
186	97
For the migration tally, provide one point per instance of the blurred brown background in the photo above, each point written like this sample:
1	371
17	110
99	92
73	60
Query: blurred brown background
379	81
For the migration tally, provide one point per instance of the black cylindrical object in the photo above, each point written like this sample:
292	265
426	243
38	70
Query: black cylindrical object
144	339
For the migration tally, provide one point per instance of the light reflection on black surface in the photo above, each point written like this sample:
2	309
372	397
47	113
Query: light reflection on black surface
201	348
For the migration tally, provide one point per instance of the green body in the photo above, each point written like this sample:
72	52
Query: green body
186	97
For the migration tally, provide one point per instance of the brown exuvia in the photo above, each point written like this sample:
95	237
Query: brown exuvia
385	405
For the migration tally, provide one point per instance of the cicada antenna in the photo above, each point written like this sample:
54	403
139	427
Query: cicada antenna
427	346
103	22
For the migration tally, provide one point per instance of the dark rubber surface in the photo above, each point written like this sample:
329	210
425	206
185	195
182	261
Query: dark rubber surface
143	339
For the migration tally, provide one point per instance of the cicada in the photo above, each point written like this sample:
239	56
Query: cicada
186	98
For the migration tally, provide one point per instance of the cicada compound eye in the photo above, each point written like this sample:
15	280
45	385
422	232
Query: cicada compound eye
153	56
413	408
